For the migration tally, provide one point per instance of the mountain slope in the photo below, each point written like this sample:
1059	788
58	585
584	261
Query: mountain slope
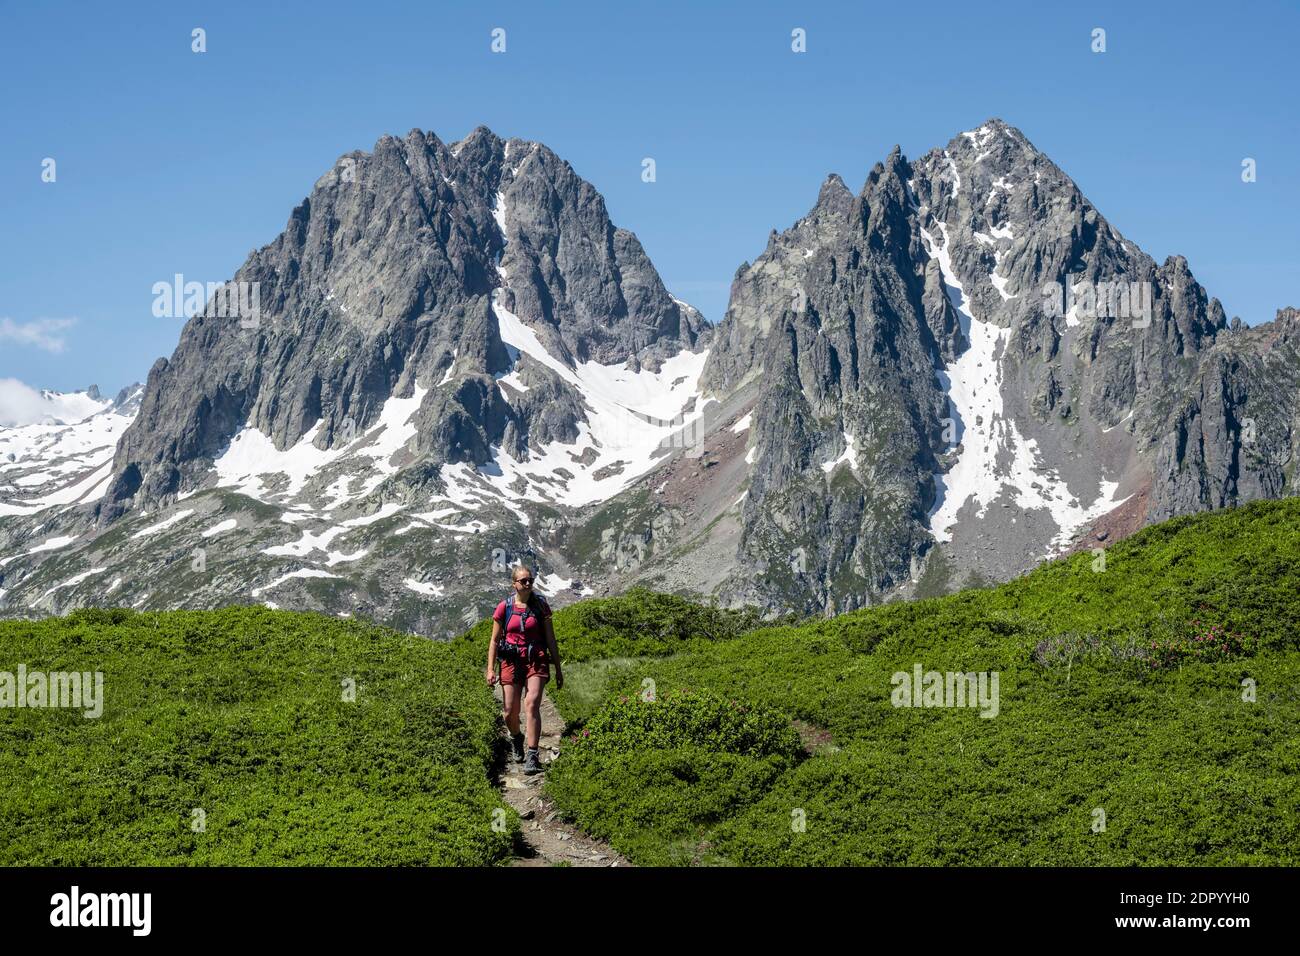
455	361
1142	716
381	289
246	724
925	405
64	455
445	345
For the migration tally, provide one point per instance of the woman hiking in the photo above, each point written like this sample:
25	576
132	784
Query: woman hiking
523	640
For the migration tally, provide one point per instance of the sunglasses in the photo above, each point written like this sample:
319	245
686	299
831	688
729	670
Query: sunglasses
523	581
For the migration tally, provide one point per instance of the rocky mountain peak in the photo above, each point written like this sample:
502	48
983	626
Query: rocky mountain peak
958	372
834	198
385	285
1004	403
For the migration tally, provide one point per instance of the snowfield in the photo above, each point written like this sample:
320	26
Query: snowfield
994	458
633	419
252	457
419	587
65	458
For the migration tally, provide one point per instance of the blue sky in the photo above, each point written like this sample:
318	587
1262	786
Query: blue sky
170	161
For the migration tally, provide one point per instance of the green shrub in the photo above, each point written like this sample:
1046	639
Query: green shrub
656	806
687	718
1200	642
227	737
639	623
1194	761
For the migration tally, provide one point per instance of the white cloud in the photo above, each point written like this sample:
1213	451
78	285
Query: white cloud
42	333
20	404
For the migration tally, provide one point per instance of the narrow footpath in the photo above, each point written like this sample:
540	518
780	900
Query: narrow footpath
546	840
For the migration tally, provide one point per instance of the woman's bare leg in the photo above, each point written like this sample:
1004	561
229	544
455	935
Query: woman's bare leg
510	694
533	703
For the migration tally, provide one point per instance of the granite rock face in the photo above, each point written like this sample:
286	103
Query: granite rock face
953	374
451	360
383	280
839	320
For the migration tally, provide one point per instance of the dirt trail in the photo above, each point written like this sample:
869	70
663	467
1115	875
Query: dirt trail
547	840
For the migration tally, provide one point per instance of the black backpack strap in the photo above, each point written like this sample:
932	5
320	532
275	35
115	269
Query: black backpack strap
503	646
535	602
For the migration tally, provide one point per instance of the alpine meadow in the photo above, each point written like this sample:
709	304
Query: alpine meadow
758	440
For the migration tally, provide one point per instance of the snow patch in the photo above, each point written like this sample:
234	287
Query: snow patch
846	456
252	457
75	579
956	176
300	573
631	420
164	524
228	525
499	211
385	511
338	557
1072	519
53	544
446	376
1118	423
420	587
552	585
994	457
1000	284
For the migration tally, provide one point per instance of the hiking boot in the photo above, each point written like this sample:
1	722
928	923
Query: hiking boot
532	765
517	747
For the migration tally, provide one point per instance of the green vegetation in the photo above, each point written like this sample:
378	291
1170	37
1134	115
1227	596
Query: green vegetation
238	722
649	775
1146	714
638	623
604	636
1125	733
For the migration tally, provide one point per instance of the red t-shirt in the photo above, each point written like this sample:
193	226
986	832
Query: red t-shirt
535	634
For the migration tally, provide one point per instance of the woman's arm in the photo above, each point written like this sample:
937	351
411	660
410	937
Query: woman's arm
554	652
491	673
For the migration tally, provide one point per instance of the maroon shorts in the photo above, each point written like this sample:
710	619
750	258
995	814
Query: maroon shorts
518	673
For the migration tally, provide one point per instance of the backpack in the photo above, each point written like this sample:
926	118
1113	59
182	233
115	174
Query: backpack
516	652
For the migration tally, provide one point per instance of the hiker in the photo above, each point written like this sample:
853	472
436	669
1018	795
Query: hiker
523	640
